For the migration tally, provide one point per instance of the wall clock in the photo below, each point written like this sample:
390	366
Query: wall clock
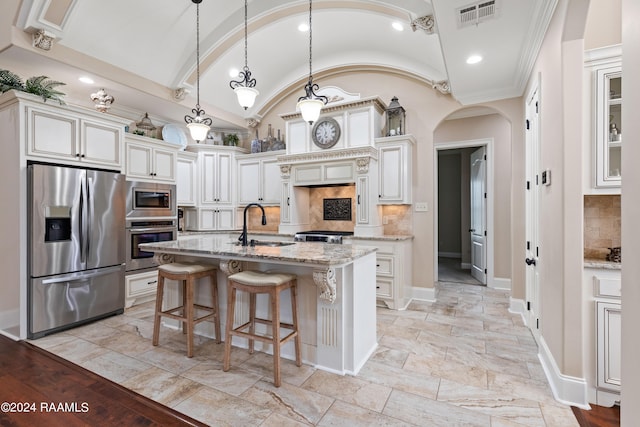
325	132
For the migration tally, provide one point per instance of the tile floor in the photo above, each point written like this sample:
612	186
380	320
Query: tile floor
461	361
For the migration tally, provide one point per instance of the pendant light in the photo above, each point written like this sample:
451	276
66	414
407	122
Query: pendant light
199	125
311	104
244	88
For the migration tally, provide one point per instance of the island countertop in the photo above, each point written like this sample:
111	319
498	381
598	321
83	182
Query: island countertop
219	246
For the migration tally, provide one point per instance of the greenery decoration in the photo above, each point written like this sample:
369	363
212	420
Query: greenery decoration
231	139
37	85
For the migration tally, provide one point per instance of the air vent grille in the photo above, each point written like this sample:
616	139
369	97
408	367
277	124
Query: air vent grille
475	13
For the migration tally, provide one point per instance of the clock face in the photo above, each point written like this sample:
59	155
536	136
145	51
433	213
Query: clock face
326	132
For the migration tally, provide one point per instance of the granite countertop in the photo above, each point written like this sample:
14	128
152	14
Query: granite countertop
602	264
275	233
220	246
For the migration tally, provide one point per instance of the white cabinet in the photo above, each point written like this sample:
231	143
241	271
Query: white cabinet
609	319
149	160
71	137
140	287
393	270
215	188
186	176
258	179
209	219
395	169
608	126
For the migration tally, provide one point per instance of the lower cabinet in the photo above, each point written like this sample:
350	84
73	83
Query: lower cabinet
140	287
393	271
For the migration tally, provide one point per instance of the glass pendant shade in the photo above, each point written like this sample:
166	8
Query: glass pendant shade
198	130
246	96
310	109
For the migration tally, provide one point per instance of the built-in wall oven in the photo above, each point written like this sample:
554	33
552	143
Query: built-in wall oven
151	217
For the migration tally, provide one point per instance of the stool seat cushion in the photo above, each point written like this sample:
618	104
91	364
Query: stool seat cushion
186	268
258	278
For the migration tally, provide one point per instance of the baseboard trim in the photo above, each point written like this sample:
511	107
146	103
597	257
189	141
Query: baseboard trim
9	320
465	265
500	283
566	389
450	254
423	294
517	306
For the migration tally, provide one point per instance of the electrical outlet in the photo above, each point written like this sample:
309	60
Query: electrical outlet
385	220
422	207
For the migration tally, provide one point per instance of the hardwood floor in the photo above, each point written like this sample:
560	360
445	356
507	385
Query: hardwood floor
58	393
598	416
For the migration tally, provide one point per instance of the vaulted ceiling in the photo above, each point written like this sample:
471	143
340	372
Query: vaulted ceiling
141	51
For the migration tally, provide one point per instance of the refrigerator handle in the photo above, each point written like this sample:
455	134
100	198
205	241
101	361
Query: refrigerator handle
90	213
82	221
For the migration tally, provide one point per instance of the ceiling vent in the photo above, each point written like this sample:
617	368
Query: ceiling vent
475	13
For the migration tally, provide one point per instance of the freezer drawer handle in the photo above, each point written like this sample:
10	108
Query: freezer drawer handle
82	276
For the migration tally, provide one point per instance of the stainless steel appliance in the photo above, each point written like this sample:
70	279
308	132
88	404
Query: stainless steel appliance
151	200
147	231
76	246
322	236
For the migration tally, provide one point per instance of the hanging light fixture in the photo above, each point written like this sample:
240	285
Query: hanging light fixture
311	104
244	88
199	125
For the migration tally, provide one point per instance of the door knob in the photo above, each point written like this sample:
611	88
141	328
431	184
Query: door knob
471	230
530	261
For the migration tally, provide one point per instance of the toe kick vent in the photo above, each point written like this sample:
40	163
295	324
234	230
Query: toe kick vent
475	13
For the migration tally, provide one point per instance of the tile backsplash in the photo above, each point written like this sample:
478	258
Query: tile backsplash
601	225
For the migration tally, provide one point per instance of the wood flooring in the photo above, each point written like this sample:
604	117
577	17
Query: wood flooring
44	389
598	416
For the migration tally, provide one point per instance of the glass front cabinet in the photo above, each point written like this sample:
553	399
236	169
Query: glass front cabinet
609	126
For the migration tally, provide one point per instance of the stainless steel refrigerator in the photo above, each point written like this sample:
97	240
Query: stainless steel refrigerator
76	257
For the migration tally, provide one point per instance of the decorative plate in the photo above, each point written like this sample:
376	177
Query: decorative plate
175	135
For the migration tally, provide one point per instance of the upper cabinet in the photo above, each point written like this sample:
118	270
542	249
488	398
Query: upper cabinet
605	68
259	179
61	135
395	163
150	160
186	179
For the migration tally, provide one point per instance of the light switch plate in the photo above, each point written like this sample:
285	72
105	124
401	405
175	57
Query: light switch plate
422	207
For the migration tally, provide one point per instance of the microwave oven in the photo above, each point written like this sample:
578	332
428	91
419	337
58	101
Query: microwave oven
151	200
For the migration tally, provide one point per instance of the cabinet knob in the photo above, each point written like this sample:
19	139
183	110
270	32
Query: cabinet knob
82	155
77	154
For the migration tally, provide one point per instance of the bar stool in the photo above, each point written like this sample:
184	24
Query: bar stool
187	274
256	282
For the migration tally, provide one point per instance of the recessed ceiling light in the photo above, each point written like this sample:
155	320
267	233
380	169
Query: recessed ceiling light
87	80
398	26
304	27
474	59
234	72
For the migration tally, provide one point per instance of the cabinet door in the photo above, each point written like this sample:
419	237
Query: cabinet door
285	202
52	135
271	182
609	345
100	144
609	126
249	182
362	200
139	161
207	170
139	286
186	182
224	220
391	170
224	178
164	165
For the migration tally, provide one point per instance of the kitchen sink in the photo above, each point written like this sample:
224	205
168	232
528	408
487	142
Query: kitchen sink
266	243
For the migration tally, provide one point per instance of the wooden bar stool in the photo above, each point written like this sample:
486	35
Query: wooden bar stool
256	282
187	274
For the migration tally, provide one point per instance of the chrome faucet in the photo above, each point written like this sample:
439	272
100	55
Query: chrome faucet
243	236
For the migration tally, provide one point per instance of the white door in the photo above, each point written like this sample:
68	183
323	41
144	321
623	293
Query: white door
478	229
532	141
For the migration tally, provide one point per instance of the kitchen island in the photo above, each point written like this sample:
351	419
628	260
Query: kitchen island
336	292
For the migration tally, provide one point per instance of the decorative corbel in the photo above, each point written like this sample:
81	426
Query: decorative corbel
326	281
426	23
285	171
43	39
362	164
442	86
230	266
253	122
180	93
161	258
